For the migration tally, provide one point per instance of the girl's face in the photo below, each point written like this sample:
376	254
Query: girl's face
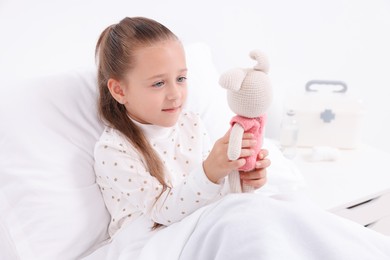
156	89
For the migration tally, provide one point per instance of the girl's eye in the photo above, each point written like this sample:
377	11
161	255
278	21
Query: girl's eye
158	84
181	79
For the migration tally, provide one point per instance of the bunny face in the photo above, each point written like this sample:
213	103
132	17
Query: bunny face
253	97
249	92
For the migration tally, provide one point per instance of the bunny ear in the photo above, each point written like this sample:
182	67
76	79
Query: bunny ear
262	60
232	79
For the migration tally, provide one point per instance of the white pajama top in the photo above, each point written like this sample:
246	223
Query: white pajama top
131	192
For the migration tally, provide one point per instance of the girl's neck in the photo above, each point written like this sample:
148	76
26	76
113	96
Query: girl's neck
154	131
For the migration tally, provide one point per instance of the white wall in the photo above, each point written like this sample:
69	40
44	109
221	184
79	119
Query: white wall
305	39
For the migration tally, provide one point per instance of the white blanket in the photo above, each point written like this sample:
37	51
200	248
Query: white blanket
253	226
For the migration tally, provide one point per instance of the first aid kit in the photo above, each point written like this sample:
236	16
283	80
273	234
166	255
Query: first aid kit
326	115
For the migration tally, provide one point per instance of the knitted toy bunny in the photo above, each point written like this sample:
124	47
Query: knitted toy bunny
249	95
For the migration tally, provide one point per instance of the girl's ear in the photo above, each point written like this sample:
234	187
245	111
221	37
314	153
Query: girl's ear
116	90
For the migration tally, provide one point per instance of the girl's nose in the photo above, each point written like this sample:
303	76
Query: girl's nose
174	92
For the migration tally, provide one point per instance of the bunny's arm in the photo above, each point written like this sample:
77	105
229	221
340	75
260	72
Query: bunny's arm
235	141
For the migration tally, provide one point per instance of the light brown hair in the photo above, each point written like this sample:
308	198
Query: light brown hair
114	52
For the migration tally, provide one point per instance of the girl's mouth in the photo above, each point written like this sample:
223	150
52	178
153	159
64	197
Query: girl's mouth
172	110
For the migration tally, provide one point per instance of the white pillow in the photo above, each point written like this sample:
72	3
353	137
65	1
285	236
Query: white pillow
52	205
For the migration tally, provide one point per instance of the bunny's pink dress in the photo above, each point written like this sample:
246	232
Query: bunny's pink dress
255	126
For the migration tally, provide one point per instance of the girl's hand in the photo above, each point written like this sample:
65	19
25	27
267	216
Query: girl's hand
217	165
258	176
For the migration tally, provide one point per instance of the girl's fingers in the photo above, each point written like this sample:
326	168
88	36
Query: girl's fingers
262	154
262	164
256	178
247	136
246	143
234	165
225	139
256	183
246	152
253	175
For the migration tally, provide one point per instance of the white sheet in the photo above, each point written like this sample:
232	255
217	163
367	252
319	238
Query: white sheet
7	247
253	226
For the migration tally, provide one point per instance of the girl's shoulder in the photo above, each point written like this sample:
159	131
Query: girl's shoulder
111	135
113	138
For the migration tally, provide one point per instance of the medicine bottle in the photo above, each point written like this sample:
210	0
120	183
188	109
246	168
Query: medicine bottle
289	134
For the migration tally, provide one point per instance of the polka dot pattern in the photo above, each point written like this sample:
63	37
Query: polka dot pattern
131	192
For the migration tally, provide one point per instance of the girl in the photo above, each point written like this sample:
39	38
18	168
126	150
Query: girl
153	159
165	189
